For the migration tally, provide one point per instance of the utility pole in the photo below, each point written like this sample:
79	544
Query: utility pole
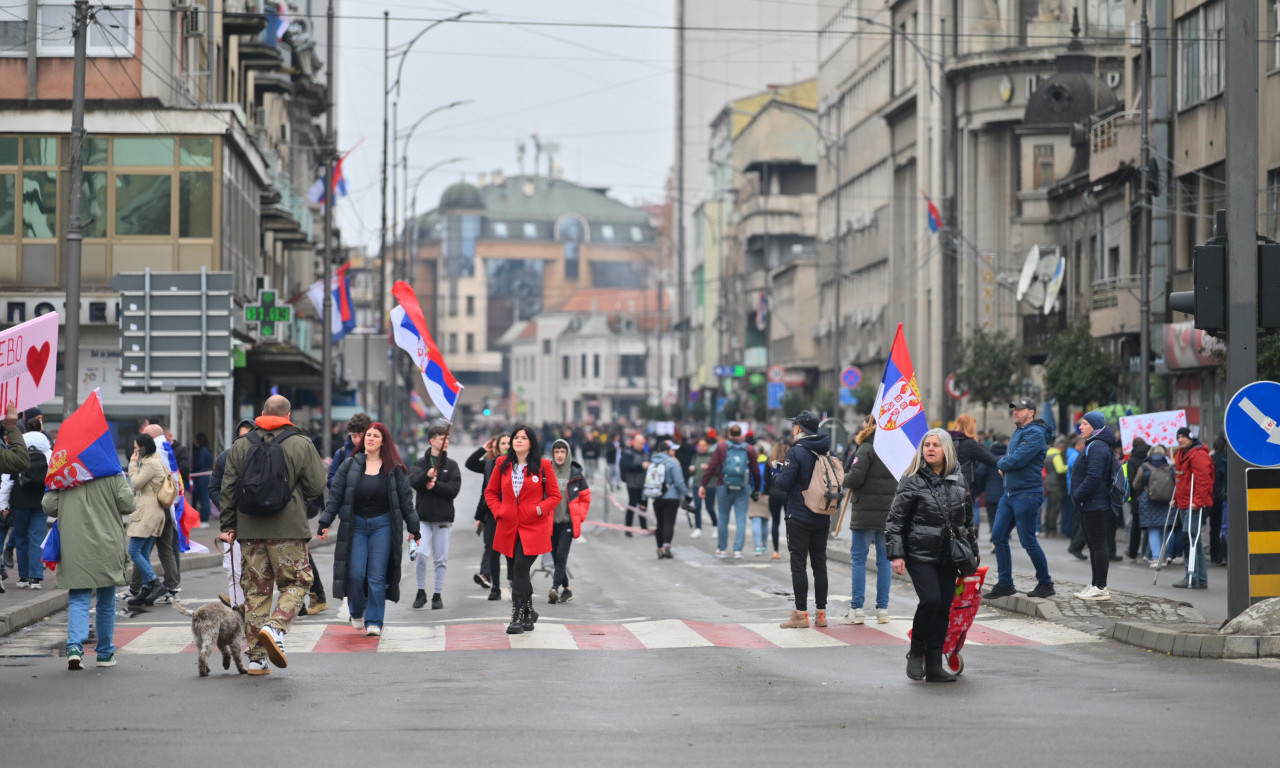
682	306
1144	194
75	236
1242	263
839	272
390	416
330	152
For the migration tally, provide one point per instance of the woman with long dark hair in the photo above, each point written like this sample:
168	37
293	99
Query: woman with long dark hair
522	494
371	497
481	461
931	505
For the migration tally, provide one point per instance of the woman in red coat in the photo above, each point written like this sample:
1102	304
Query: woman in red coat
523	504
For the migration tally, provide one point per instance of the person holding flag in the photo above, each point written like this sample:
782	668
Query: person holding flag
87	495
898	410
409	328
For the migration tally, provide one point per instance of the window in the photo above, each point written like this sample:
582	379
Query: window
40	204
7	203
631	366
564	366
596	367
637	234
93	202
584	366
453	343
606	231
499	229
546	346
471	342
571	231
144	151
1273	26
471	306
1200	54
110	30
195	204
13	29
1273	202
143	204
530	230
1043	154
1104	18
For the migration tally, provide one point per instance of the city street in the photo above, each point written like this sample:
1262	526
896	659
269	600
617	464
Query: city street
674	660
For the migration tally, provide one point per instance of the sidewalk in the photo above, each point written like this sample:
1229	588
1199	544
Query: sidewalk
1158	618
22	607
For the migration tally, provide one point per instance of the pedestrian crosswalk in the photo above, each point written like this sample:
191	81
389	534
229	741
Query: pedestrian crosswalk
315	637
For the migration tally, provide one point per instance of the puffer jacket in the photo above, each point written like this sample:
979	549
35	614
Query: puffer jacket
12	496
1151	514
873	487
13	456
1091	477
796	472
1193	462
579	497
146	477
1023	463
922	507
435	505
341	506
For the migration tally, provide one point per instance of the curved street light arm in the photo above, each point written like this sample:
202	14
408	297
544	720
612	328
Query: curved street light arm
406	135
404	54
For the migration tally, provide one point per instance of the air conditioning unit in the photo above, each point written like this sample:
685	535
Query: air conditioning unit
182	5
1135	33
196	23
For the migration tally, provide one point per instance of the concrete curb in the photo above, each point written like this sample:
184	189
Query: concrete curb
36	609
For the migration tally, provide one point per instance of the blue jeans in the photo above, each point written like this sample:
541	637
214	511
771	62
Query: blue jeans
739	500
78	619
710	501
367	570
760	532
140	554
859	542
1193	521
1023	511
29	529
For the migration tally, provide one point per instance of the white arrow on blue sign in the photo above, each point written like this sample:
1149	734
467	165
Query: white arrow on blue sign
723	370
1252	423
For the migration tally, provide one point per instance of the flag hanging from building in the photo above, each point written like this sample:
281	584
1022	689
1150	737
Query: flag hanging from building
898	410
935	218
338	188
419	407
344	318
83	450
409	328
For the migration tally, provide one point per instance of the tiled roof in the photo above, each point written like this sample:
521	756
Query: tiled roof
537	198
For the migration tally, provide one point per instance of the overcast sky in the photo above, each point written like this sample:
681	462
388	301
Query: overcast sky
606	96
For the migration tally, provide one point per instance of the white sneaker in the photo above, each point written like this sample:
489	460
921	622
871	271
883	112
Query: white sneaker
720	554
23	584
258	667
373	631
854	616
357	623
1103	594
697	533
36	585
1088	593
882	615
737	555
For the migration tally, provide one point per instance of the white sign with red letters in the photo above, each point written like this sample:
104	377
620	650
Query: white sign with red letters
29	362
1155	428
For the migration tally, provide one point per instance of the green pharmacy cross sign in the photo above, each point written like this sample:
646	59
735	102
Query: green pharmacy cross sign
266	313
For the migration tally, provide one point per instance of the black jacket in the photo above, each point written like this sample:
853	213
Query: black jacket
1136	457
341	506
1091	475
873	487
632	467
922	507
796	472
435	505
970	454
339	456
483	465
215	480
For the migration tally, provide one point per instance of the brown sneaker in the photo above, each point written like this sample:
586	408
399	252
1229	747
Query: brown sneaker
798	620
317	607
819	618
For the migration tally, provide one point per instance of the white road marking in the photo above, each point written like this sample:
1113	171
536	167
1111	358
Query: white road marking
160	640
667	633
898	626
1041	632
793	638
302	636
410	639
553	637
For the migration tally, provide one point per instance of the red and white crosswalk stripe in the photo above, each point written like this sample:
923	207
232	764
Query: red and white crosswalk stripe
307	637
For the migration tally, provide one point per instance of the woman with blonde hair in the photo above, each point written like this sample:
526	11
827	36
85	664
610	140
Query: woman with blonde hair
970	453
931	505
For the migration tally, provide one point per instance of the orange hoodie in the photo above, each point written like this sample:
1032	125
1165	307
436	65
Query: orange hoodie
271	423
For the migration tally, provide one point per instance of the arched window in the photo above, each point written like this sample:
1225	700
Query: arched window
572	231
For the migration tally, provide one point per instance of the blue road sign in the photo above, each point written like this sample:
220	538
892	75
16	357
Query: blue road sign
846	397
777	390
723	371
850	377
1252	423
720	403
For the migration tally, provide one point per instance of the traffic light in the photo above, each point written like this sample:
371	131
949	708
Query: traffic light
1268	285
1208	302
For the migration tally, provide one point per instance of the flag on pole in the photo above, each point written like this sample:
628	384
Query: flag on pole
344	318
185	515
419	407
83	450
339	187
898	410
935	218
409	328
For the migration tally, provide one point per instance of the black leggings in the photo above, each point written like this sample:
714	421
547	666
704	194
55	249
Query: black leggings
521	586
666	510
1097	527
317	583
775	509
635	501
808	540
935	587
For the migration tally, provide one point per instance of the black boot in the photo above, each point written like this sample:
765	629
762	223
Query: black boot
915	666
937	671
517	613
420	599
495	593
528	616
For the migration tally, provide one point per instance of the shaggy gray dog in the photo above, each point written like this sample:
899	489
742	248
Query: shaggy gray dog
214	624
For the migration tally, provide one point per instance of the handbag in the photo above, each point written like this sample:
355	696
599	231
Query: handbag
958	549
167	493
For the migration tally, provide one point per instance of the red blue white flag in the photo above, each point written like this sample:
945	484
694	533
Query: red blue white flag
899	410
339	187
419	407
83	450
344	317
409	329
935	218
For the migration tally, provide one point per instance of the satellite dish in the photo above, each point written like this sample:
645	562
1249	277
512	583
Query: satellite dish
1055	284
1028	271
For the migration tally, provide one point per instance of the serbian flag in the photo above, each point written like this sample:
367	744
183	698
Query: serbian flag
185	516
419	407
344	318
935	218
316	193
898	410
409	328
83	450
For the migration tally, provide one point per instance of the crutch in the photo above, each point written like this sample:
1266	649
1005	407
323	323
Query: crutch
1164	540
1195	533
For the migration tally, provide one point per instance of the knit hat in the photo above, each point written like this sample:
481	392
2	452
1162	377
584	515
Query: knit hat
1095	419
1184	432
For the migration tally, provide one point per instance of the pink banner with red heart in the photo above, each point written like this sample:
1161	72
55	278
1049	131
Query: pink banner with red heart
28	362
1154	428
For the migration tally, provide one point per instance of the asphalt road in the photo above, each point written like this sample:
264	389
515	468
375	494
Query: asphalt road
679	677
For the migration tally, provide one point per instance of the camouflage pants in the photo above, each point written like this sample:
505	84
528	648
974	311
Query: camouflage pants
271	563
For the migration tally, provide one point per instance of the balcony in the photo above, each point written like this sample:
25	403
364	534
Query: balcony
1037	329
1114	309
778	215
243	17
271	82
284	211
1114	144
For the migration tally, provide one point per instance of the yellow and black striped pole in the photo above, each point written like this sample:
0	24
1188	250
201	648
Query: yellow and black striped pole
1263	495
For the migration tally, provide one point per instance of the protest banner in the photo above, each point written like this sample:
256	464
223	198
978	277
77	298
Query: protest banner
1154	428
28	362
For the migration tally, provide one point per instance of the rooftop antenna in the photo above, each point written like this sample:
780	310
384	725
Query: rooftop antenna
520	150
537	153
